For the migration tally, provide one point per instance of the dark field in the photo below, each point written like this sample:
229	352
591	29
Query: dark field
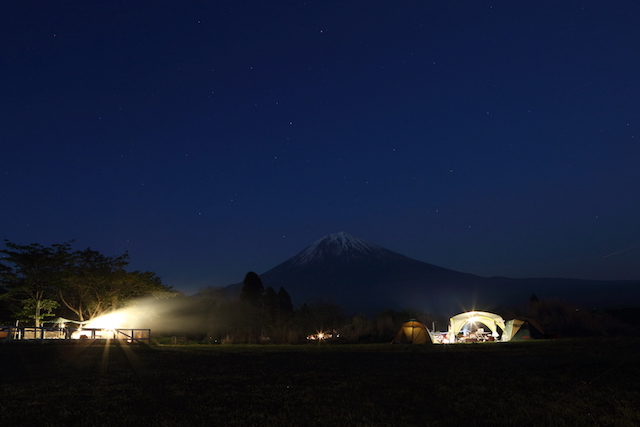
545	383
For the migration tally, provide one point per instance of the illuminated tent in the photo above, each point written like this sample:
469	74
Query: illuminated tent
523	329
412	332
490	320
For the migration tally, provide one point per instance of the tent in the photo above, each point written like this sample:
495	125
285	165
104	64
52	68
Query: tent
475	319
412	332
523	329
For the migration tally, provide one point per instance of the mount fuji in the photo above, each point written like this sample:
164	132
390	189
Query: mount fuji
363	277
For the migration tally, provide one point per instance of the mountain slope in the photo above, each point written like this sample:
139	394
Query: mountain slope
361	276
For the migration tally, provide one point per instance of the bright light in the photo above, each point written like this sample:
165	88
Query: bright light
93	334
104	326
115	320
145	313
323	336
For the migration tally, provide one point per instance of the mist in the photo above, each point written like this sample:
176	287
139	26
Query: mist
178	315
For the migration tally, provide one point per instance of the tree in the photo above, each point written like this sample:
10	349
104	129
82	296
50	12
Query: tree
97	284
284	301
318	314
85	282
271	303
37	310
252	289
533	300
126	286
32	276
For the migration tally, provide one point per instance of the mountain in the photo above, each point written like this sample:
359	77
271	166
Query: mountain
362	276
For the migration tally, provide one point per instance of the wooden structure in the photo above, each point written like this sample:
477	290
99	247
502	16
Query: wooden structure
24	333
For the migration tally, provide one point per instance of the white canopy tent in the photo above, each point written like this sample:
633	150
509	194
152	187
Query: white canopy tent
490	320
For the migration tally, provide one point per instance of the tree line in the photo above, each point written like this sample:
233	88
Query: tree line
39	281
261	314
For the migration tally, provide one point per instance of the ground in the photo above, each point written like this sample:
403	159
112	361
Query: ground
551	383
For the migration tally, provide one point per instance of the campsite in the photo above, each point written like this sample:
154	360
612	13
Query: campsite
567	382
472	326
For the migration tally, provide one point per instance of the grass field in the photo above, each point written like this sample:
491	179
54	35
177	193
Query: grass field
544	383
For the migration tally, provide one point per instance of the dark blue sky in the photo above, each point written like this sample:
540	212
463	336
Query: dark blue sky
211	138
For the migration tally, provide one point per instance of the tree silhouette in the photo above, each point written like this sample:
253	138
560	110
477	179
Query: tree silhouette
252	289
533	300
271	303
284	301
86	282
32	277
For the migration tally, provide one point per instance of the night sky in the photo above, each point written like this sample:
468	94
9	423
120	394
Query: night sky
212	138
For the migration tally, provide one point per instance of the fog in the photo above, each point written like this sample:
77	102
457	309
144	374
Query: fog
173	315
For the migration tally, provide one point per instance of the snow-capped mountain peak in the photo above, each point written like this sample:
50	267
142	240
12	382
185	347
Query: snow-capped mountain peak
339	245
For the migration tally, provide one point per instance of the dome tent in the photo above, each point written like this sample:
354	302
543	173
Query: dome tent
412	332
524	329
490	320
